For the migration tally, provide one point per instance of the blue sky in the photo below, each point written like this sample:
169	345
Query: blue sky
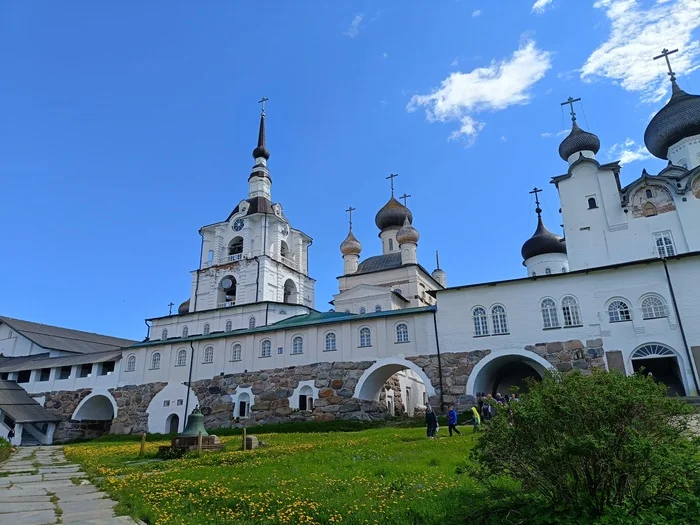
126	126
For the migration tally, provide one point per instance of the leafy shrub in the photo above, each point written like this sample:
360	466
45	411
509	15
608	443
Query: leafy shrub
588	446
4	449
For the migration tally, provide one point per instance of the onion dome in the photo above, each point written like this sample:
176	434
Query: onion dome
678	119
392	215
184	308
578	140
350	246
542	242
407	233
260	150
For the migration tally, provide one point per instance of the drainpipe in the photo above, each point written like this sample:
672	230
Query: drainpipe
680	325
257	280
437	344
201	260
189	384
148	332
267	309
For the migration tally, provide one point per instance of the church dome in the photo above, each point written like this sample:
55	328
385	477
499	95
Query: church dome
184	308
407	233
542	242
350	246
392	215
578	140
678	119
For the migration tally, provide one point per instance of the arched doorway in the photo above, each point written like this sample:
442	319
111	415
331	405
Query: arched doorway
505	374
662	363
172	424
97	407
290	292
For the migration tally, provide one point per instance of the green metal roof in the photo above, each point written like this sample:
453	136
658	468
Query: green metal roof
298	321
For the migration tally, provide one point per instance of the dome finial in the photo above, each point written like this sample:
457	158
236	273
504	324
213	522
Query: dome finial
350	246
537	191
578	140
571	101
260	151
391	177
665	53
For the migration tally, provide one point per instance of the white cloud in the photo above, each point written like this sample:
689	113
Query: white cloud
504	138
628	151
455	62
476	13
636	36
546	135
493	88
549	134
541	6
385	55
354	28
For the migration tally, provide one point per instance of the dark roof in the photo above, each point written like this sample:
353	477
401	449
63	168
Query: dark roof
65	339
542	241
578	140
257	205
378	263
678	119
184	308
310	319
37	361
20	406
614	166
392	214
261	150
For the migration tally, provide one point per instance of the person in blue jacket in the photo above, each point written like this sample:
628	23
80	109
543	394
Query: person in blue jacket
452	421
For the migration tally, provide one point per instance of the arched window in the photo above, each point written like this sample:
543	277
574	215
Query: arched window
647	351
572	312
365	337
243	403
649	209
131	363
266	348
534	274
209	354
619	311
649	194
251	322
499	319
664	244
181	357
210	257
229	326
206	329
481	325
549	313
378	308
391	244
155	361
563	270
297	345
306	398
235	247
330	342
363	310
402	333
164	334
548	271
653	307
592	204
236	352
185	331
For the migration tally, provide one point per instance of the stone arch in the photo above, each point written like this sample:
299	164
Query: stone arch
372	380
168	402
98	406
486	371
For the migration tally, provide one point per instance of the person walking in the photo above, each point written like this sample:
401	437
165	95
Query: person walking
431	422
452	421
477	418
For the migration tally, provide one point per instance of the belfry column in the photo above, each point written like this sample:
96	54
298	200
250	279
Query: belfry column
259	182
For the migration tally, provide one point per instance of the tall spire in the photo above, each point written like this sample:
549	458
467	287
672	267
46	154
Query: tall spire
261	152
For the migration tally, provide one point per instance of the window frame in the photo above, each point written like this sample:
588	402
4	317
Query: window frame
208	357
330	336
652	309
480	322
207	329
550	313
574	312
365	337
185	331
667	248
130	363
164	334
503	328
266	350
399	333
155	360
228	327
236	347
180	353
251	322
620	318
297	345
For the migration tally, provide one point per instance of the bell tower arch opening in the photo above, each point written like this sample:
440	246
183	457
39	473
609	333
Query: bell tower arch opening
291	294
227	291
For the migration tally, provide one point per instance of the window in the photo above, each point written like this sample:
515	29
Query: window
402	333
481	325
649	194
206	329
4	375
210	257
243	405
266	348
130	363
181	357
653	308
85	370
185	331
365	337
164	334
107	368
283	312
618	311
236	352
166	403
280	349
64	373
664	244
649	210
648	351
306	399
155	361
229	326
297	345
45	374
499	319
534	274
592	204
209	354
563	270
391	244
24	376
572	313
548	271
398	291
251	322
179	402
549	313
378	308
363	310
330	342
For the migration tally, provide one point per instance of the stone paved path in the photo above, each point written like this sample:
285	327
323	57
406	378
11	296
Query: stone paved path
37	488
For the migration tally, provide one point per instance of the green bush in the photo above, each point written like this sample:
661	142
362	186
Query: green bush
587	448
4	449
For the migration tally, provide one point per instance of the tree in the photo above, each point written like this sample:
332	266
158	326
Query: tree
593	443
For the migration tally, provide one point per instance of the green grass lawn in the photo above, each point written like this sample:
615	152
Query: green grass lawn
382	476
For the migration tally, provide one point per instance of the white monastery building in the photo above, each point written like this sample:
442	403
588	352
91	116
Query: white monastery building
248	347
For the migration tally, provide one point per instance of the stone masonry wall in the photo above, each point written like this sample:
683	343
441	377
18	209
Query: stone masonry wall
132	407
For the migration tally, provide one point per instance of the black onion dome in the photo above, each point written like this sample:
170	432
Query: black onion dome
392	215
678	119
184	308
578	140
261	150
543	241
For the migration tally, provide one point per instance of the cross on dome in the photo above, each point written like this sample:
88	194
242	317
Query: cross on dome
665	53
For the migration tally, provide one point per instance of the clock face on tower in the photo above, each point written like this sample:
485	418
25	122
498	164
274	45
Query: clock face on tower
238	225
285	230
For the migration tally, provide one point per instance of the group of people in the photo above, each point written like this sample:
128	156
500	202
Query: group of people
483	412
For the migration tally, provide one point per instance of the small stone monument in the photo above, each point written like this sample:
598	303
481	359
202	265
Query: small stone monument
251	442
